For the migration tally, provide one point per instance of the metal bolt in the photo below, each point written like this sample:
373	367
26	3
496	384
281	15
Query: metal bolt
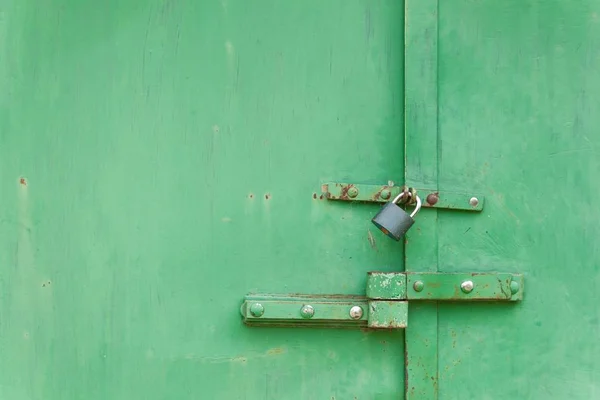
307	311
514	287
418	286
385	194
467	286
352	191
356	312
474	201
257	310
432	198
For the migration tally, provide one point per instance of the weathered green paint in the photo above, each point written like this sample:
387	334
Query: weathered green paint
385	193
169	152
422	152
388	314
318	311
159	158
519	95
447	286
386	285
441	286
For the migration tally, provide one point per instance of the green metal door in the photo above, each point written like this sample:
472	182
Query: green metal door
502	99
160	159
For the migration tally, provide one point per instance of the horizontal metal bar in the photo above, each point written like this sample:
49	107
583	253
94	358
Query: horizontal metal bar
464	286
301	310
385	193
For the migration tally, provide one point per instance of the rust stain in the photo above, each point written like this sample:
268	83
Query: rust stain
268	196
432	199
344	193
275	351
23	181
377	195
315	196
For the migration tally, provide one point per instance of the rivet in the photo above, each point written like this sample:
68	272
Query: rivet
307	311
514	287
356	312
432	198
385	194
467	286
474	201
257	310
418	286
352	191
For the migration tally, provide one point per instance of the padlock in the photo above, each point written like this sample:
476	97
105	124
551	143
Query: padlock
394	221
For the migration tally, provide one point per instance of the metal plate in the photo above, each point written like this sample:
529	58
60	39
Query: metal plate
388	314
386	285
282	310
379	194
447	286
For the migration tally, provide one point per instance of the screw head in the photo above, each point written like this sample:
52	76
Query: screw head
352	191
432	199
356	312
467	286
514	287
474	201
307	311
385	194
257	310
418	286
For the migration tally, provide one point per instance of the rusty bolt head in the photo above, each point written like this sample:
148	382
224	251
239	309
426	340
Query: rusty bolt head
385	194
257	310
307	311
418	286
352	191
432	199
356	312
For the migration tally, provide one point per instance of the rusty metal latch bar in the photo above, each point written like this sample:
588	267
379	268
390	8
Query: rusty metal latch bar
386	302
439	286
323	311
385	193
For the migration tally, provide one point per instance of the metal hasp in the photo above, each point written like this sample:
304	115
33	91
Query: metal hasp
385	193
323	311
393	221
386	302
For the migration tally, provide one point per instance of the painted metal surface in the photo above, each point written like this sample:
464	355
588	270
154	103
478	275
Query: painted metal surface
124	243
519	90
386	285
464	286
158	160
385	193
381	307
501	99
441	286
421	158
315	311
388	314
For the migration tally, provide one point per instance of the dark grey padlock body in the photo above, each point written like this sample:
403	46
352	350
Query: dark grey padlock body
393	221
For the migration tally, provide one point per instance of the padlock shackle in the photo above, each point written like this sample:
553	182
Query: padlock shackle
417	208
401	195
